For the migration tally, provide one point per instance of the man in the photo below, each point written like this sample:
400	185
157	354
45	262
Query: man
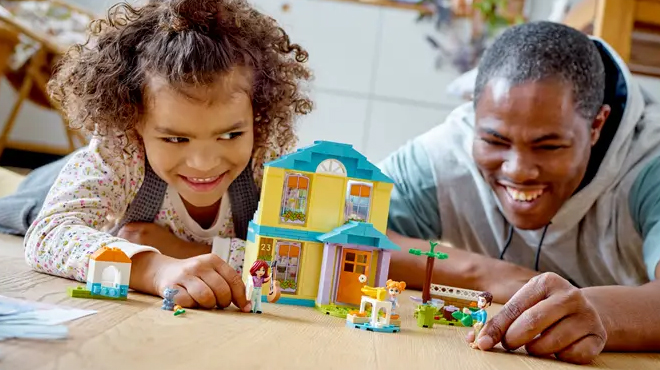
547	186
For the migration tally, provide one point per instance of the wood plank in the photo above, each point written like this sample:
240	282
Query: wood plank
647	11
614	23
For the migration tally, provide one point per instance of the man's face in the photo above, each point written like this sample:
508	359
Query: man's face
532	147
201	142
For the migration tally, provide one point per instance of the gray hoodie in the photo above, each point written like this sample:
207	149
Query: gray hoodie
605	234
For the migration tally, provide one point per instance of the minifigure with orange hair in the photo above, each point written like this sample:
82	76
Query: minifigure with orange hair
394	288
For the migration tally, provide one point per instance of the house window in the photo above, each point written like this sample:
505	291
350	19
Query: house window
358	201
294	199
332	167
287	268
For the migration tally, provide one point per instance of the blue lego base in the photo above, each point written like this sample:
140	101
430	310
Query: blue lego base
292	301
368	327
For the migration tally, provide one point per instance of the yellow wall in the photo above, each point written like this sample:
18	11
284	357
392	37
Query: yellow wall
380	205
271	197
326	205
310	273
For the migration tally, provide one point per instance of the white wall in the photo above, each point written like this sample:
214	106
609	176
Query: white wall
375	85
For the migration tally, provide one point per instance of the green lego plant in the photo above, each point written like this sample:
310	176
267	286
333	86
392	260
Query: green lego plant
431	256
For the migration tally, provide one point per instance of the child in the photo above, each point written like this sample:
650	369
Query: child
185	101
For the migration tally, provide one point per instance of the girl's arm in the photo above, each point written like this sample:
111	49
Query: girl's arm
96	184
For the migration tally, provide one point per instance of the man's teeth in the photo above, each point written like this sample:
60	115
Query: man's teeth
200	180
524	196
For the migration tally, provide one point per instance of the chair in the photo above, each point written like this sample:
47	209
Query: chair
31	78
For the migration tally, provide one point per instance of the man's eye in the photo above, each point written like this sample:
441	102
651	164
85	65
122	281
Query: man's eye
175	140
230	135
493	142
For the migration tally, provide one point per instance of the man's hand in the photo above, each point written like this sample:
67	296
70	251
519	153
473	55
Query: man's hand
203	281
548	316
153	235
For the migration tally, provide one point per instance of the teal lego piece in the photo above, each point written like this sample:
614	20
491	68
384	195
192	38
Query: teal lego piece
368	327
308	158
280	232
292	301
359	233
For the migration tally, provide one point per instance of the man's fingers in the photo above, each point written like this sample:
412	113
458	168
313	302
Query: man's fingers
540	317
235	282
536	290
219	287
583	351
199	291
559	336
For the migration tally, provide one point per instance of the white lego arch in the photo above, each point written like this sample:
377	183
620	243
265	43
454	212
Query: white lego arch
332	167
111	276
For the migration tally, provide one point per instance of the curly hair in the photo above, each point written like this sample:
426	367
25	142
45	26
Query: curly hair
100	85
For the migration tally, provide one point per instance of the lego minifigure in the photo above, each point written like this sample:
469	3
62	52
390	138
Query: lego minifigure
484	301
394	288
259	273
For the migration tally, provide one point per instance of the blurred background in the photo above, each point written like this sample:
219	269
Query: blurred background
385	71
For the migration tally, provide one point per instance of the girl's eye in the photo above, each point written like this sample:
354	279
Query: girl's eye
230	135
175	140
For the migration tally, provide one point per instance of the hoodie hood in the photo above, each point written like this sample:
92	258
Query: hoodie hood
589	224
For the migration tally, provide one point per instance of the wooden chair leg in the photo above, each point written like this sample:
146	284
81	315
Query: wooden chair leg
11	120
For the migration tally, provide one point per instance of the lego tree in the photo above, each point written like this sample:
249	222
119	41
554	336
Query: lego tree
431	256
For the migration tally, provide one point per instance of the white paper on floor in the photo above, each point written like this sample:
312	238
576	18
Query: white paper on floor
34	320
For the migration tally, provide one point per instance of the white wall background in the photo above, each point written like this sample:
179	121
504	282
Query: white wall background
376	85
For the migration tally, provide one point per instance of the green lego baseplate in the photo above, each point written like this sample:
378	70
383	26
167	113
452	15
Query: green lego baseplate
82	292
339	311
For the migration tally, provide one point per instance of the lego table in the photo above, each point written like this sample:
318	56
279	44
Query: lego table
137	334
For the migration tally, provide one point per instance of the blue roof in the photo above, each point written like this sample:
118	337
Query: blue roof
281	232
308	158
359	233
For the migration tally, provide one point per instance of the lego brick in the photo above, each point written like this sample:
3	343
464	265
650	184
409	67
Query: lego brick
368	327
307	159
81	292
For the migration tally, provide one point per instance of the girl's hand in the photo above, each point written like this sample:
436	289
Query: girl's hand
203	281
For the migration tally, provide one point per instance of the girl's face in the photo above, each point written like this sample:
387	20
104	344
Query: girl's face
199	140
261	272
394	291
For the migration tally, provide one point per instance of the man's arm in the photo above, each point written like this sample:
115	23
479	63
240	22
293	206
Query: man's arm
462	269
627	312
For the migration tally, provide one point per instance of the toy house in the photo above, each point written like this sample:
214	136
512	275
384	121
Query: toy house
108	275
321	223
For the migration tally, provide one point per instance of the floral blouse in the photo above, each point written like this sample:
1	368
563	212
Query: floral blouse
91	194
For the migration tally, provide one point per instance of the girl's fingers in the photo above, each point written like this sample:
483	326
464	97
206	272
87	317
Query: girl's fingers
182	298
219	287
199	291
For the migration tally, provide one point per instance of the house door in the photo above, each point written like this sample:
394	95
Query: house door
353	264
